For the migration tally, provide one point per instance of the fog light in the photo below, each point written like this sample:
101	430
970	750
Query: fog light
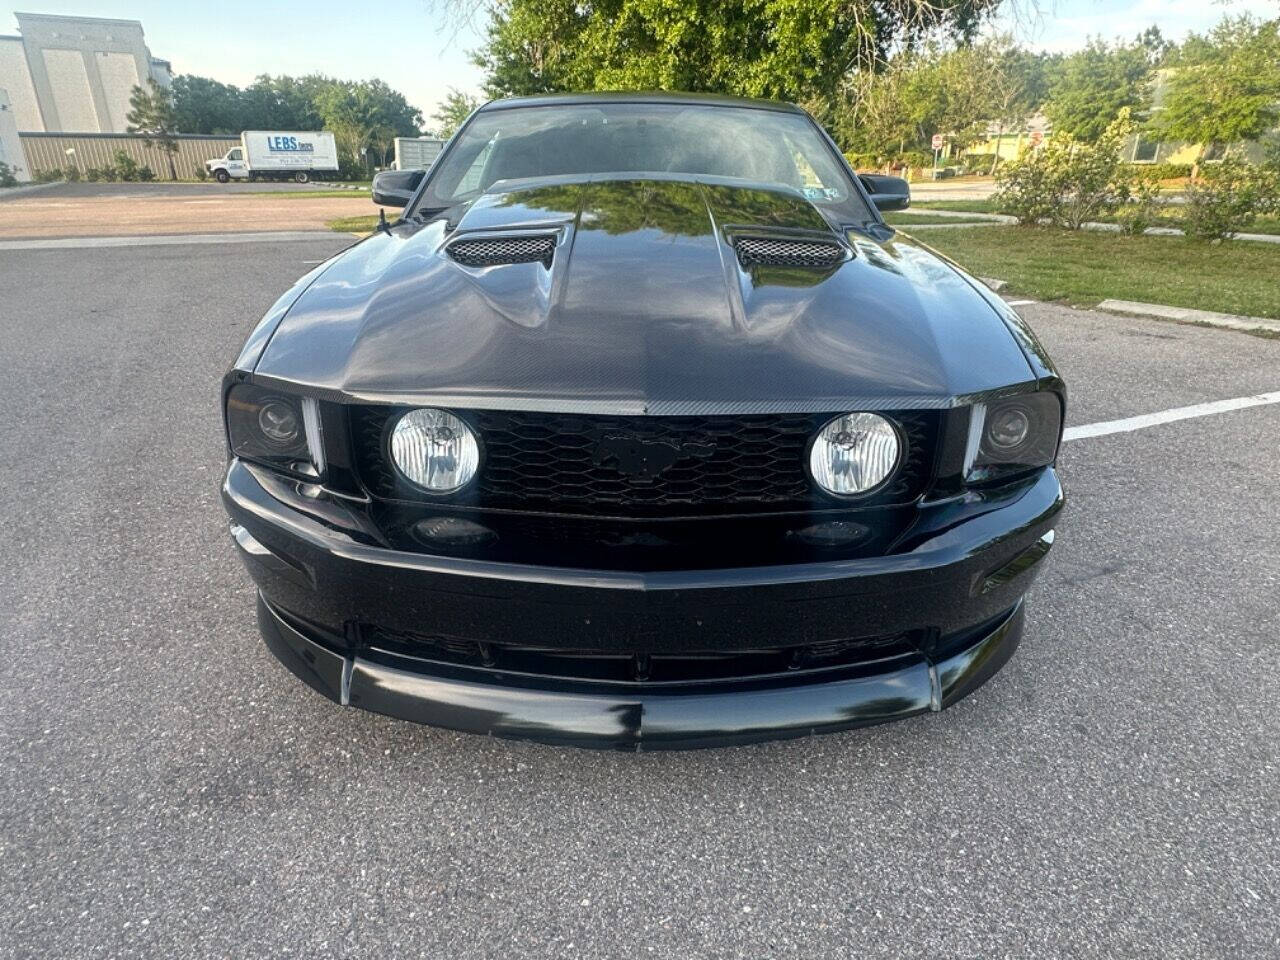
435	450
854	454
452	532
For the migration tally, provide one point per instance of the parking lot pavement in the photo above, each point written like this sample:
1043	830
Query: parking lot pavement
165	189
124	209
168	790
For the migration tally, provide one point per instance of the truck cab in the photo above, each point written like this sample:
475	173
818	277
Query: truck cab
230	166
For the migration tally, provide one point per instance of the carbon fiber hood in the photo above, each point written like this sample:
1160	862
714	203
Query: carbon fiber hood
644	307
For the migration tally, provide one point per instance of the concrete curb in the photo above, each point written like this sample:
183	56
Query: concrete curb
1227	321
992	219
339	186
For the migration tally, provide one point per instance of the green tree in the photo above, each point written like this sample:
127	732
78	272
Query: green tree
1091	86
453	112
365	116
203	105
958	92
1224	87
781	49
285	103
152	114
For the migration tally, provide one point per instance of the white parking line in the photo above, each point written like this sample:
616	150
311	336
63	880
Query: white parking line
1168	416
1020	303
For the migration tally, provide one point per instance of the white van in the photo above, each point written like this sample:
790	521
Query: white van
277	155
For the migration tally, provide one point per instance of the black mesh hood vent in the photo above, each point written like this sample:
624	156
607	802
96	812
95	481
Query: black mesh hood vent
496	251
788	252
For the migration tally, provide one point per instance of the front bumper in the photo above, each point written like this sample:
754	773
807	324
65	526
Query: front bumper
959	591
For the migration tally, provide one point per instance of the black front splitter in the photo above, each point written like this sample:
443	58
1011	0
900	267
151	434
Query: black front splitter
640	716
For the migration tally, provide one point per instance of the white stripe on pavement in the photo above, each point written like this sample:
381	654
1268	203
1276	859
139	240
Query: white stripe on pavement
150	240
1168	416
1019	303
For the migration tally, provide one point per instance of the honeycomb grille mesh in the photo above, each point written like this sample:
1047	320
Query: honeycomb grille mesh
604	465
774	252
503	250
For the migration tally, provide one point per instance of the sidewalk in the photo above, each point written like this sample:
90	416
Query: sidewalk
987	219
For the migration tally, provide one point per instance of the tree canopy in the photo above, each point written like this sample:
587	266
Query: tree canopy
451	114
781	49
1223	87
361	113
1088	89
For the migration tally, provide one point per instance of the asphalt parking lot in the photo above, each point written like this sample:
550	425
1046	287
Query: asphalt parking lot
168	790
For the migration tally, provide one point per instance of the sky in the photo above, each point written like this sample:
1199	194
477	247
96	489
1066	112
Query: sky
409	44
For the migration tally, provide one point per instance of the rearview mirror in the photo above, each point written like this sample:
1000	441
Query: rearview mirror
887	193
395	188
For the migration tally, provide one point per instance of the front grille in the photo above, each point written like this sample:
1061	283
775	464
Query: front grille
776	252
636	667
646	466
495	251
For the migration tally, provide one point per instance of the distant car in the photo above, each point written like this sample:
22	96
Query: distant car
641	429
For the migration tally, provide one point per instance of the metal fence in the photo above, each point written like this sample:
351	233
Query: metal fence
48	151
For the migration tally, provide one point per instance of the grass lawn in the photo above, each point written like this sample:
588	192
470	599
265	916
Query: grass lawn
907	218
307	194
366	223
1268	224
1084	268
964	206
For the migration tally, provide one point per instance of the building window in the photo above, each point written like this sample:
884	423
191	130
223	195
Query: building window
1144	151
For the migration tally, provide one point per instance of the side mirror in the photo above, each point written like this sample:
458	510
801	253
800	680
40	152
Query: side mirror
395	188
887	193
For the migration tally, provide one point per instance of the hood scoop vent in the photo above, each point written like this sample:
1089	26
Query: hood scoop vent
789	252
498	251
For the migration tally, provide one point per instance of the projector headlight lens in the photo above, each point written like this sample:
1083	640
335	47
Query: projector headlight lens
854	454
1013	435
435	450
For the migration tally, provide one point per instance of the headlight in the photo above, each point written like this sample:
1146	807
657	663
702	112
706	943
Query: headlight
1013	435
435	450
276	429
854	453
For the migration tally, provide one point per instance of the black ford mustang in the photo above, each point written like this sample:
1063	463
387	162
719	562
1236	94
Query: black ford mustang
641	429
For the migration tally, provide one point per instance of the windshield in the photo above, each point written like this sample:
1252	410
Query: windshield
740	143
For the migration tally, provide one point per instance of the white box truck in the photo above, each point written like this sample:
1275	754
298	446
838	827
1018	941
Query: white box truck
416	153
277	155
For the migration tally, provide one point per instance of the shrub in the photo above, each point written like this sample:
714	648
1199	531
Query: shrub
126	166
48	176
71	174
978	162
202	172
7	179
1228	199
1162	171
1031	187
93	174
1142	204
146	174
1096	181
1066	182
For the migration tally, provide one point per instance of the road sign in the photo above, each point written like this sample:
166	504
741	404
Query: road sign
937	141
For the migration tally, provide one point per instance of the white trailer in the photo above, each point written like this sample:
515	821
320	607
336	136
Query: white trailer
277	155
417	153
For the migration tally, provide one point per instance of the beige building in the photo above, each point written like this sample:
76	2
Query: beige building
75	74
